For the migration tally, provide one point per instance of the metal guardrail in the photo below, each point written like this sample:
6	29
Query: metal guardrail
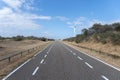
100	52
19	53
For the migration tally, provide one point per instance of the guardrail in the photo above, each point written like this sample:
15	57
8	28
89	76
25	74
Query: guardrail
99	51
19	53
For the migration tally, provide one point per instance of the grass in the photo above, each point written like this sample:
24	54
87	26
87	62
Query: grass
11	47
109	56
6	67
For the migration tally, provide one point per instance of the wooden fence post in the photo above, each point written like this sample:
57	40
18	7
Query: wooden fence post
9	59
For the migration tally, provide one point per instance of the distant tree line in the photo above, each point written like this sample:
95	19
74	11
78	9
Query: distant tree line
99	33
20	38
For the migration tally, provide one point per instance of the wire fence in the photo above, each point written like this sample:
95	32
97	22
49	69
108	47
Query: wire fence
9	57
99	51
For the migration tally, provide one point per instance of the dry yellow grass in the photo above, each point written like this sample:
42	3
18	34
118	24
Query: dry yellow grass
10	47
6	67
108	48
113	61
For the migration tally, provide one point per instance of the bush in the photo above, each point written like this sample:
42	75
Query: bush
80	38
95	37
18	38
115	38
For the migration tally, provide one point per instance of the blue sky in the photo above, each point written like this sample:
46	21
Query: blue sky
55	18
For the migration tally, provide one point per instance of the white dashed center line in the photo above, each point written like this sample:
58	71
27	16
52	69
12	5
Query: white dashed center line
45	56
89	65
74	53
79	58
35	71
42	61
50	49
104	77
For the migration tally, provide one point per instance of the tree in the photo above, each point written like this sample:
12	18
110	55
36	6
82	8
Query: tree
85	32
117	28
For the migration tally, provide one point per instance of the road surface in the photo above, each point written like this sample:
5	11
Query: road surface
61	62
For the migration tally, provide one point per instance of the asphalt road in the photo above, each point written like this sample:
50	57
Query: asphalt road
61	62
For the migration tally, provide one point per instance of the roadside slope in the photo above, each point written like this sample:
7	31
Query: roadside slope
108	59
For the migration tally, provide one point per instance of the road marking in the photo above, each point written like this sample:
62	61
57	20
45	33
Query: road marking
42	50
35	71
104	77
42	61
36	54
74	53
97	59
45	56
79	58
16	69
89	65
50	48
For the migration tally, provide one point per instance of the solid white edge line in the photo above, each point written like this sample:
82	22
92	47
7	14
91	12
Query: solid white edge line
42	61
101	61
35	71
79	58
16	69
89	65
97	59
104	77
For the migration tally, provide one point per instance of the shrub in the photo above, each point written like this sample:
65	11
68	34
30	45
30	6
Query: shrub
115	38
95	37
18	38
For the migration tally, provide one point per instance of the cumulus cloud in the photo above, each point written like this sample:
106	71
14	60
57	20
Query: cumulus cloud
10	19
13	19
33	16
77	22
15	4
5	11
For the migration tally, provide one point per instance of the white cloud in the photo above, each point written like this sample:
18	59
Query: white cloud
15	4
62	18
33	16
13	20
83	22
5	11
16	20
77	22
28	7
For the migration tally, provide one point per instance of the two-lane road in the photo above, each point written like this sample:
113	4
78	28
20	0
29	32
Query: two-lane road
61	62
